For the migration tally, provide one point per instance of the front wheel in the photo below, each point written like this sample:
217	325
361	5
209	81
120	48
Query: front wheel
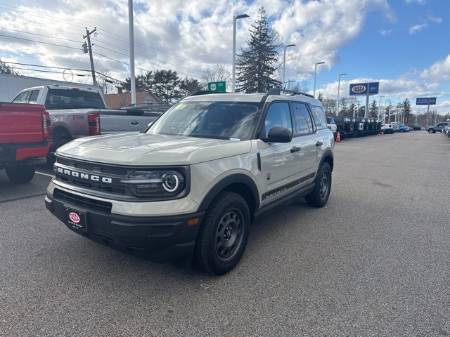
224	234
20	174
318	197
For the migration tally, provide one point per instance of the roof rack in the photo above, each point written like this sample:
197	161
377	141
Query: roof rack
294	92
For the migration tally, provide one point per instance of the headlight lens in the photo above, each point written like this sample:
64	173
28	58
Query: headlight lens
156	183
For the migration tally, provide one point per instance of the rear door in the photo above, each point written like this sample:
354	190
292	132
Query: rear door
305	139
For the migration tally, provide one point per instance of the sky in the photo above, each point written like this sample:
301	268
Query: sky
401	43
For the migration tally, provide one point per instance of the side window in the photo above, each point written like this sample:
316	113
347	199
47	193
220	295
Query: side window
319	117
22	97
277	115
33	97
302	119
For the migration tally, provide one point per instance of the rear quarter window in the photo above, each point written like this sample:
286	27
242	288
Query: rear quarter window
319	117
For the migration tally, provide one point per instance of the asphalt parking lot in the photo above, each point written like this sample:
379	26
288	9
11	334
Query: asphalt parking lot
374	262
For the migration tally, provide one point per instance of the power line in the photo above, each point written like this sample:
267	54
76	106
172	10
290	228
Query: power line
41	35
38	41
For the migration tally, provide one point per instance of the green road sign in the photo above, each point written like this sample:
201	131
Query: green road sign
217	86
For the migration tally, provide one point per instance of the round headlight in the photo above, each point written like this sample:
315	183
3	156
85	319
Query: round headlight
171	181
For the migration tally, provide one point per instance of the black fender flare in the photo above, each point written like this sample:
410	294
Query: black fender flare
328	155
237	178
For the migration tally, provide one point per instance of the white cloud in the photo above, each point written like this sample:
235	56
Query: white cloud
188	36
439	71
417	28
435	19
385	32
420	2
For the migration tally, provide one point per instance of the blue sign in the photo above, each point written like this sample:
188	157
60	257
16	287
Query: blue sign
371	88
426	101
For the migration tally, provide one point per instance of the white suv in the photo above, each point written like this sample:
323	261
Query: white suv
192	184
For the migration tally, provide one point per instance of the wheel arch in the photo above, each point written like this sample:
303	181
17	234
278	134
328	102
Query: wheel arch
238	183
328	157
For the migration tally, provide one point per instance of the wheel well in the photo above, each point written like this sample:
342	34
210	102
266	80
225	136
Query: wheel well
329	159
60	130
244	191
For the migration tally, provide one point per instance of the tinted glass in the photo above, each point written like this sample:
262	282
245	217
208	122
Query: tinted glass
34	97
22	97
302	119
223	120
278	115
73	99
319	117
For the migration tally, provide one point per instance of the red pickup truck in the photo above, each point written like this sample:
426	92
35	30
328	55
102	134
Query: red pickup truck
24	139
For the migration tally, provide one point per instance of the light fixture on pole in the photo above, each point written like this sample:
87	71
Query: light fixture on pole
284	62
339	89
315	75
131	38
233	79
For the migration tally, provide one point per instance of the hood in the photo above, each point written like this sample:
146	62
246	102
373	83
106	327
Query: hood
147	149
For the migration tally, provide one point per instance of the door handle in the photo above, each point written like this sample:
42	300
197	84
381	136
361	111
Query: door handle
319	143
134	123
295	149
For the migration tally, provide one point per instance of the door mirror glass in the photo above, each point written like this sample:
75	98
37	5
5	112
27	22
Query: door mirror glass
279	135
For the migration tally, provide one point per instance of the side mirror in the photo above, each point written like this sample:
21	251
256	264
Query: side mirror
279	135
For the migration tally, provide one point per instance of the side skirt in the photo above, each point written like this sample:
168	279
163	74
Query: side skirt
301	192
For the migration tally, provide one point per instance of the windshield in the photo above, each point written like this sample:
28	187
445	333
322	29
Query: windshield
223	120
73	99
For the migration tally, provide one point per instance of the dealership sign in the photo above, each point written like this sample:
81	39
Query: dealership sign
371	88
426	101
220	86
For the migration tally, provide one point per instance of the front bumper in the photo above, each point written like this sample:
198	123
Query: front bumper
160	239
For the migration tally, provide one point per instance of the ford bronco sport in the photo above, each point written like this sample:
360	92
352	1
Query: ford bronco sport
192	184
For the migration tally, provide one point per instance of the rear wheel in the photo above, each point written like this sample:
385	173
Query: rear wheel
224	234
60	137
318	197
20	174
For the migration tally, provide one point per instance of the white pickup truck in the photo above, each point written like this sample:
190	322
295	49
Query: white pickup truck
78	112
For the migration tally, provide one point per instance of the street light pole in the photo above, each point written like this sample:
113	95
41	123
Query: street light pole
131	38
284	63
315	75
233	78
339	89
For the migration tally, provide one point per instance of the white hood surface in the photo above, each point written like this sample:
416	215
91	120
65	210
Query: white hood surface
147	149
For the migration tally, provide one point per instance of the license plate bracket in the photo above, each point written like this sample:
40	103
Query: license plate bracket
76	219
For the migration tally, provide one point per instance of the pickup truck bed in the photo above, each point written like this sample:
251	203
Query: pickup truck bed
23	139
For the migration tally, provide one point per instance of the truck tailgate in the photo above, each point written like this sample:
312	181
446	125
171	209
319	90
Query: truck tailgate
121	121
21	123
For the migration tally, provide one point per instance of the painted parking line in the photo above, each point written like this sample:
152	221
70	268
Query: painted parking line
45	174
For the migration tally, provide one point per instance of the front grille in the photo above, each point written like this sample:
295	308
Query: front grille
116	173
83	202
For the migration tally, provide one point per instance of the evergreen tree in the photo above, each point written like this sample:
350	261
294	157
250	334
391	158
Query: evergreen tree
256	64
189	86
165	85
6	69
406	109
373	110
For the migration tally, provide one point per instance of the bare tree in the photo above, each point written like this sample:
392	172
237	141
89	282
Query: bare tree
216	74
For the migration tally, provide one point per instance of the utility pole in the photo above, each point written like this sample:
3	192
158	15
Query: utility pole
87	48
283	85
315	75
339	89
131	40
233	73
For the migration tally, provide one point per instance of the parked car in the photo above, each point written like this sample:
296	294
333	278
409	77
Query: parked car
438	127
417	127
331	124
194	182
447	130
387	129
24	139
404	128
79	112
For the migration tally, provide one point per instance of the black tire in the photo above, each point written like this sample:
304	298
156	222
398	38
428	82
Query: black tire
321	192
224	233
431	131
60	137
20	174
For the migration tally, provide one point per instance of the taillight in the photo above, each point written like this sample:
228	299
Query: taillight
94	124
45	125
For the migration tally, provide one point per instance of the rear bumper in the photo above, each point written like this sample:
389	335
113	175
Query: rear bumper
160	239
12	154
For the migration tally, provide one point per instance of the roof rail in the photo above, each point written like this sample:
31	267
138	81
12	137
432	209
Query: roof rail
294	92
